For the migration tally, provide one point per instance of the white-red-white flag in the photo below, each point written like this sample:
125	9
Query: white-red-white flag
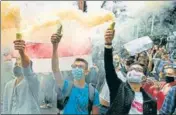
41	53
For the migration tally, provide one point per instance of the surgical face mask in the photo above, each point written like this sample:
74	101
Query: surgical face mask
17	71
135	77
169	79
78	73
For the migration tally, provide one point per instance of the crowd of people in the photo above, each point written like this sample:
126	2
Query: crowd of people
141	84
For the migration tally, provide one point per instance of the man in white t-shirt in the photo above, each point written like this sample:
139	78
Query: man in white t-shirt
129	97
21	94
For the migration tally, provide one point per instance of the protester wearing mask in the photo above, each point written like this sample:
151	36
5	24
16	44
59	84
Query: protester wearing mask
21	93
170	75
128	97
78	102
160	89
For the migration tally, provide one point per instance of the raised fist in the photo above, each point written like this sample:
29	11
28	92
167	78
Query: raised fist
55	38
109	35
19	45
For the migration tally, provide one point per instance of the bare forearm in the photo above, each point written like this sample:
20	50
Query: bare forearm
55	61
55	67
24	59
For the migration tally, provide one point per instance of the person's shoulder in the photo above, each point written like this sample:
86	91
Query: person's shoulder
68	83
91	86
173	89
10	82
148	96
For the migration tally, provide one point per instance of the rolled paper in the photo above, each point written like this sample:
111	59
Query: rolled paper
18	36
112	26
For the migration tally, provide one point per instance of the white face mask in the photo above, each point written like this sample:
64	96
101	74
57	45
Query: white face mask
134	76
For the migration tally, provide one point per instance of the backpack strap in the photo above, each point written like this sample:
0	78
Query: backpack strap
91	97
63	101
68	92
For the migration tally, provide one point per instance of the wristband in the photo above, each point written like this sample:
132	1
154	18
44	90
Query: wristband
108	46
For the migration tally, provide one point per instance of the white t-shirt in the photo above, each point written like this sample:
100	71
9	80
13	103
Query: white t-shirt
137	104
105	93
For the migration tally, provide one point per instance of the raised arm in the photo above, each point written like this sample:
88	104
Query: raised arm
29	75
55	39
111	77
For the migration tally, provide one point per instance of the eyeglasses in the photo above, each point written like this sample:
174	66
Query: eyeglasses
79	66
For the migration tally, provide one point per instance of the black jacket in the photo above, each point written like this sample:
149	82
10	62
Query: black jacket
121	94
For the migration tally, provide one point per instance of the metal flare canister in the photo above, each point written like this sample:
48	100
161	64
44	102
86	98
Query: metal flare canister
18	36
112	26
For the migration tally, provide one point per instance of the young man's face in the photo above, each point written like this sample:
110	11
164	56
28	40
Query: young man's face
135	76
170	72
170	75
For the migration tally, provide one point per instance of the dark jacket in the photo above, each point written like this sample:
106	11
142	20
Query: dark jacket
121	94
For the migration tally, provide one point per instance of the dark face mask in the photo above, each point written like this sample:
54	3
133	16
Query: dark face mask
169	79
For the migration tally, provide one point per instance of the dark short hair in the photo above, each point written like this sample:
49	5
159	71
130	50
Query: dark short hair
82	60
129	61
